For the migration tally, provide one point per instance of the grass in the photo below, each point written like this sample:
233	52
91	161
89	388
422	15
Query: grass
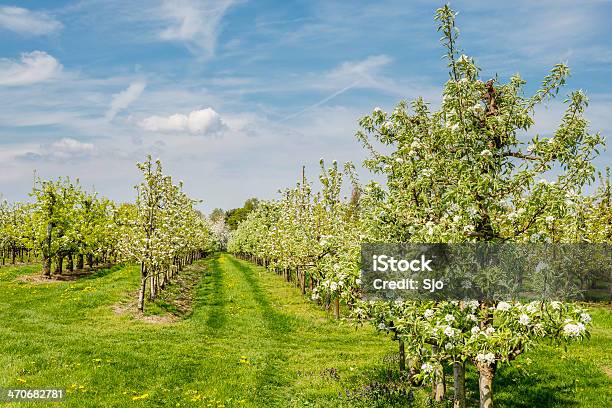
240	337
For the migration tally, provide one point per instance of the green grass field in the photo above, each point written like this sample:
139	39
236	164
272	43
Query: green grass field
243	337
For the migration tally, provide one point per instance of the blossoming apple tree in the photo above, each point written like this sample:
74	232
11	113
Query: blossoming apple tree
472	171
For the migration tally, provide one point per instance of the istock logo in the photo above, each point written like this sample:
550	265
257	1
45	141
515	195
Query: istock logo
385	263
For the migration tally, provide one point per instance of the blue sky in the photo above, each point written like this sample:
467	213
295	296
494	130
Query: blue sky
235	96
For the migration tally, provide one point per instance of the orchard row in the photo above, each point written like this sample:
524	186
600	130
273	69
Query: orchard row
470	171
65	225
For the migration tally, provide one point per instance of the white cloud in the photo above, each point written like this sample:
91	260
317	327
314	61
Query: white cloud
196	23
24	21
198	122
35	66
61	150
68	147
124	98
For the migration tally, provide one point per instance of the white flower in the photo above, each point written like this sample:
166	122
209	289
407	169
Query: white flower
524	319
449	331
550	219
468	228
427	368
448	346
473	304
486	358
472	317
315	296
386	126
555	305
503	306
415	144
490	330
530	308
475	330
333	286
486	153
449	318
358	281
428	314
573	330
377	110
455	127
399	160
476	109
382	326
466	284
585	317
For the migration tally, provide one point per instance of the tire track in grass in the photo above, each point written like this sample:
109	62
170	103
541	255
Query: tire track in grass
276	322
274	375
212	297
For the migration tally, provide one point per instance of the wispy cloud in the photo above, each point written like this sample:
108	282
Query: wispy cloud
35	66
26	22
125	98
194	23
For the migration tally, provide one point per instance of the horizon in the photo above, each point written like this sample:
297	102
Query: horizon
235	98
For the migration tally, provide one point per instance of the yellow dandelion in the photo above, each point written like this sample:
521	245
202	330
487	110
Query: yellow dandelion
140	397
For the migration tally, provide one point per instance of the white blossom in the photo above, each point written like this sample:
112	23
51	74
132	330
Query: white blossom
573	330
486	358
427	368
503	306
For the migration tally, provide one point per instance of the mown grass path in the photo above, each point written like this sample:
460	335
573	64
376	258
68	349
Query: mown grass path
251	340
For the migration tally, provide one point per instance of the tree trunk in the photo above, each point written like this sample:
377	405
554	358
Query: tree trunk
80	261
90	260
485	384
459	385
59	268
402	356
337	308
46	265
152	291
141	293
70	265
438	389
